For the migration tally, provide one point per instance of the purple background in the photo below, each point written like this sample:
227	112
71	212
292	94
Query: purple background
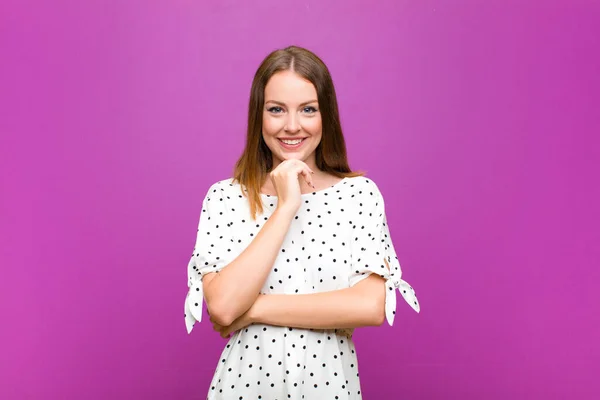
478	120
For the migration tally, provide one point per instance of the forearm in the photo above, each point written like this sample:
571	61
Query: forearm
344	308
232	291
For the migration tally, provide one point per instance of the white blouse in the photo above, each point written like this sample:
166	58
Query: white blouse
337	238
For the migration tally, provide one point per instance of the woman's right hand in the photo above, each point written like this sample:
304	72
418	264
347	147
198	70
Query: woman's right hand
286	179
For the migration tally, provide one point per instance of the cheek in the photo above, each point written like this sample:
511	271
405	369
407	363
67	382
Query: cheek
271	125
313	125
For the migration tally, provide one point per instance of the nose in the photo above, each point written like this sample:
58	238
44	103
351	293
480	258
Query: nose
292	124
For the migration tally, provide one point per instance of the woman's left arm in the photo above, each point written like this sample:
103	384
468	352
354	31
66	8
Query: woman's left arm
359	305
356	306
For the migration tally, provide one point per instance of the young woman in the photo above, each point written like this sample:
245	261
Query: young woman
293	252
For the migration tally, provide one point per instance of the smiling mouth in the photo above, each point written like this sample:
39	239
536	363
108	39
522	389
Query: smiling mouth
293	145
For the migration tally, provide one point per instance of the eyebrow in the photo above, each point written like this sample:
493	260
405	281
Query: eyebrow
283	104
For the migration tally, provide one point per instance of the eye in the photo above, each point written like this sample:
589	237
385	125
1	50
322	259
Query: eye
310	110
274	110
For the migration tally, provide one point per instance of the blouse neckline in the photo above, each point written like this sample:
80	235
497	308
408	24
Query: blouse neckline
335	185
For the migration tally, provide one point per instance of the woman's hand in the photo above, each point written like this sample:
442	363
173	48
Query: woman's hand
286	180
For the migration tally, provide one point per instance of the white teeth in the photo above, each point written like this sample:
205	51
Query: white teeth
292	142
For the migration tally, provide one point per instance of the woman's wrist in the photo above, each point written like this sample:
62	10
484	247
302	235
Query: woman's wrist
254	313
287	212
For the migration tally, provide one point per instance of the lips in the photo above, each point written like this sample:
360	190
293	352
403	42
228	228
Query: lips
291	146
280	139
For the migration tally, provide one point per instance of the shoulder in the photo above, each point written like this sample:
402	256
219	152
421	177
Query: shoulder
223	185
365	195
219	190
364	185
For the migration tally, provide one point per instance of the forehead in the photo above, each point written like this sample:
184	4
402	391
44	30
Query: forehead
290	87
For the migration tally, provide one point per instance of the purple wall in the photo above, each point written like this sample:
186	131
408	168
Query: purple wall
478	120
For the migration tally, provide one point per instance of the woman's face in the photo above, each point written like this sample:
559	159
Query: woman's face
291	111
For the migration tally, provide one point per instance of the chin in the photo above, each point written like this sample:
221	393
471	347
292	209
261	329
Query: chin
296	156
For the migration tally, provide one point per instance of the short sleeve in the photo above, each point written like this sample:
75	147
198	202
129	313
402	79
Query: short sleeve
214	249
372	244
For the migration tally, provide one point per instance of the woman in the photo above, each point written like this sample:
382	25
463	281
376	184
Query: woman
293	252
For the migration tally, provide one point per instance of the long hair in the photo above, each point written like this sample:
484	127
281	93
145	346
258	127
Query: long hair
255	163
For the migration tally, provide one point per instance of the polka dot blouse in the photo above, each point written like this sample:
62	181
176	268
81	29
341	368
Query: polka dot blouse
336	239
